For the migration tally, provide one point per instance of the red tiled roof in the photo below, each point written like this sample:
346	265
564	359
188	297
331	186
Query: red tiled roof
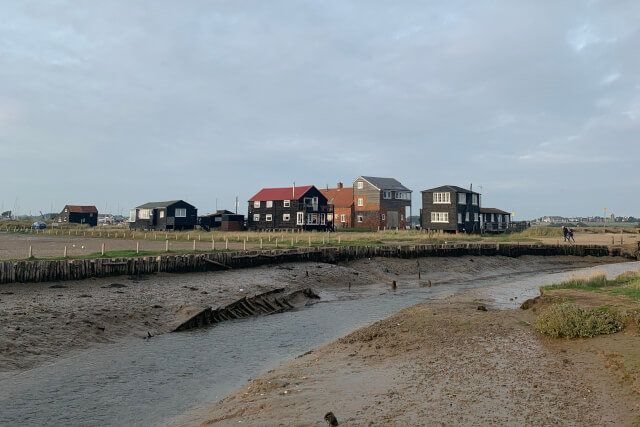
284	193
339	197
82	209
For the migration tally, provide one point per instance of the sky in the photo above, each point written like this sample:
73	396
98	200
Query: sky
118	103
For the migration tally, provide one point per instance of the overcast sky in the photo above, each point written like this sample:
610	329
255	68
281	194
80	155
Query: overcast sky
118	103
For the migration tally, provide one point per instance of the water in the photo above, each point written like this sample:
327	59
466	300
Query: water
138	382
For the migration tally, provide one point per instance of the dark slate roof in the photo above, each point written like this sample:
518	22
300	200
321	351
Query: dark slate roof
493	211
152	205
449	188
385	183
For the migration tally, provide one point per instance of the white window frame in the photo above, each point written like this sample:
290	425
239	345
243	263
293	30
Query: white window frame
386	194
462	198
180	213
300	218
342	218
269	203
132	215
474	199
475	217
459	218
286	203
323	219
383	217
256	204
256	217
268	217
161	213
360	218
360	185
440	217
401	217
144	214
286	217
441	198
360	201
466	217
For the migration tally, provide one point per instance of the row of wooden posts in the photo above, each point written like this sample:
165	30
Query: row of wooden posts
76	269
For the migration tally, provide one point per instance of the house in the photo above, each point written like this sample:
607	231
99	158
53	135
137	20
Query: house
450	208
380	203
213	220
341	199
494	220
78	214
171	215
300	208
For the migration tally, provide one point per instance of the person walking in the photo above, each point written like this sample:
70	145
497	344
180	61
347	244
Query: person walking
571	236
565	232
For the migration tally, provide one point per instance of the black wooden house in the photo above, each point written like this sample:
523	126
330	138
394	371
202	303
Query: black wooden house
171	215
301	208
79	215
450	208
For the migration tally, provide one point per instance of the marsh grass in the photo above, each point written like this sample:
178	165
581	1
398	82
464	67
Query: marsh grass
627	283
571	321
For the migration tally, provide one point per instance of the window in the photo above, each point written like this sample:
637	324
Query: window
286	203
181	212
145	214
475	217
132	215
360	201
256	217
440	216
492	218
312	219
286	217
300	219
499	219
342	218
162	214
269	203
323	220
403	195
459	218
466	217
401	217
359	218
386	194
383	217
256	204
360	185
462	198
307	201
66	210
441	197
474	199
268	217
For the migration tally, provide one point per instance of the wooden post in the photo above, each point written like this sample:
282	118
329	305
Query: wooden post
339	239
145	236
244	245
65	251
137	247
176	236
102	248
188	236
199	237
323	240
269	237
30	252
166	245
276	243
226	243
213	244
194	244
309	241
155	236
292	242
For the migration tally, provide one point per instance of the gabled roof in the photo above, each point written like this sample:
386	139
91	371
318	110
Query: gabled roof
219	212
449	188
493	211
152	205
339	197
282	193
82	209
385	183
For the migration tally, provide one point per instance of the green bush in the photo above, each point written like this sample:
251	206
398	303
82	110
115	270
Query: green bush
636	317
568	320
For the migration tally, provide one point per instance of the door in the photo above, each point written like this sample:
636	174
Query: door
392	219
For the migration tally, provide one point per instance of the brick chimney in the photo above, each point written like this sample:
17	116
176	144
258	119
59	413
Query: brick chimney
340	186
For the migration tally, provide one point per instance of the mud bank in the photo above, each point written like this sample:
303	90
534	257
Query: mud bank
41	322
440	363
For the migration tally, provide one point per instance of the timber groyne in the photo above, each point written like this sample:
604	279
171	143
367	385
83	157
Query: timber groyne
78	269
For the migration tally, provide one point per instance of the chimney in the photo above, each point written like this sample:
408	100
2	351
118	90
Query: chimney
471	187
294	191
339	186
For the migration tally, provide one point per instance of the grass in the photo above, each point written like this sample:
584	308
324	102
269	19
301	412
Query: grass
571	321
627	284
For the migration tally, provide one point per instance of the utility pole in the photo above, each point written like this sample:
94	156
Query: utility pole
604	224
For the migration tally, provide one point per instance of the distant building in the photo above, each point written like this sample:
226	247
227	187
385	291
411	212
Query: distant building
171	215
341	198
302	208
380	203
214	220
79	215
450	208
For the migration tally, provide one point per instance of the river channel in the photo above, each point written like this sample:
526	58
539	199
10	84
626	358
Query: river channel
148	382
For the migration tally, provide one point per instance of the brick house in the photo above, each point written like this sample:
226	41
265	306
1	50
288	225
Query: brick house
300	208
341	199
79	214
450	208
380	203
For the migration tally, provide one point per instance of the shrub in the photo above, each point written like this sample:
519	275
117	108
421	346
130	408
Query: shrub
569	320
636	317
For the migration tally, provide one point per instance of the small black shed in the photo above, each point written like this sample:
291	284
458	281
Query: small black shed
171	215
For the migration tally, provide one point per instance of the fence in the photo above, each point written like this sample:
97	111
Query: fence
77	269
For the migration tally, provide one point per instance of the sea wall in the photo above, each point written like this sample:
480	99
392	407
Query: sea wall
77	269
